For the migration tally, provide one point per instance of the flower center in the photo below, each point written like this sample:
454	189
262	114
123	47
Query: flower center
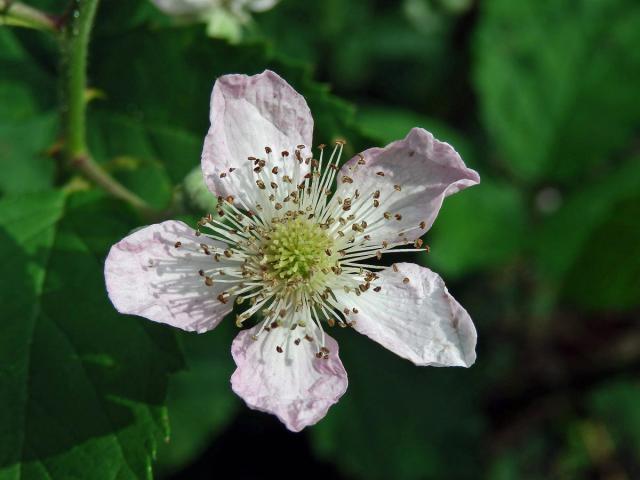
297	249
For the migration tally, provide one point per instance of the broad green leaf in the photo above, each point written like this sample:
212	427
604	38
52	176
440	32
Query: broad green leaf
554	81
82	386
28	123
400	421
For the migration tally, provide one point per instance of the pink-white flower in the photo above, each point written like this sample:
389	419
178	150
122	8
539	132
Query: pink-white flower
295	245
224	18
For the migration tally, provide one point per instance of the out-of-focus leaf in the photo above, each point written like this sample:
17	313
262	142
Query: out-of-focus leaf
403	53
389	124
27	120
480	227
606	274
590	234
400	421
615	404
82	386
200	400
554	82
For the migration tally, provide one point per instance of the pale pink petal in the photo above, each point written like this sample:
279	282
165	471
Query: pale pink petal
294	385
147	275
249	113
426	170
416	319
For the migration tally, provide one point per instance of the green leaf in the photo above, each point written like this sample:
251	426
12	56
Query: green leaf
82	386
606	273
554	83
400	421
27	120
586	247
616	405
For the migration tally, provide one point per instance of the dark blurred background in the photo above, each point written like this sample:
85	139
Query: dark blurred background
542	97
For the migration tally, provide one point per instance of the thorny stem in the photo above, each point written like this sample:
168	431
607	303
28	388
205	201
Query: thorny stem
20	15
74	45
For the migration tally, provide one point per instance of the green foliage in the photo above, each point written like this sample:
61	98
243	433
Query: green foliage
553	81
27	120
79	380
549	117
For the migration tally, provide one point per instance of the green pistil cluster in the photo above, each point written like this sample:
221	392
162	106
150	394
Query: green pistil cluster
297	249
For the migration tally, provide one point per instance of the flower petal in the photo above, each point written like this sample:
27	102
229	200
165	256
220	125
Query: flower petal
249	113
147	275
416	319
426	170
294	385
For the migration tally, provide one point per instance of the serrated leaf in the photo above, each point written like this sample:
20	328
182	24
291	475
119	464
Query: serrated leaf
82	386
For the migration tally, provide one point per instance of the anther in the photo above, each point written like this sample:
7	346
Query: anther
178	244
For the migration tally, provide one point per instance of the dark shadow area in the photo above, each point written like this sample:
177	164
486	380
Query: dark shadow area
257	446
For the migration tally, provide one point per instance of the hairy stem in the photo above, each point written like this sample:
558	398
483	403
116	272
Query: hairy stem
20	15
75	42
